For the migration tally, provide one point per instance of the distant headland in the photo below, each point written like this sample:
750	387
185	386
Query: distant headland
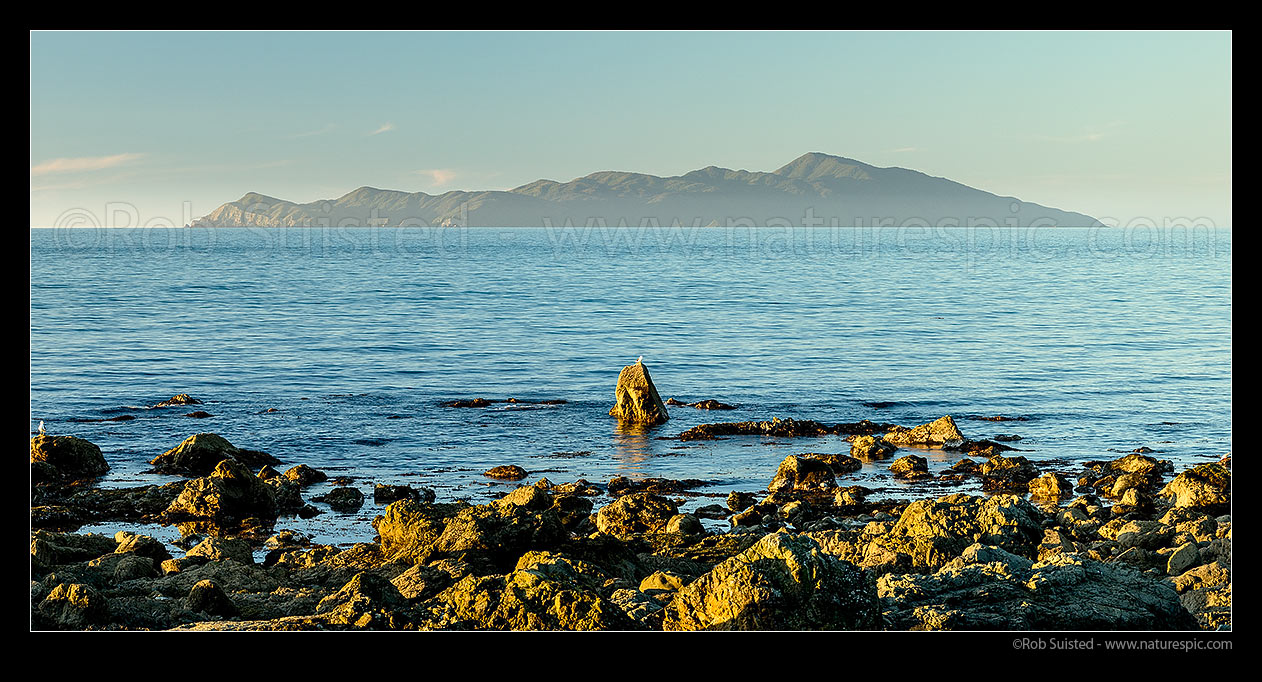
813	190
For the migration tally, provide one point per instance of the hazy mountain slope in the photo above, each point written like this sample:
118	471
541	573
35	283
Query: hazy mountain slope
814	189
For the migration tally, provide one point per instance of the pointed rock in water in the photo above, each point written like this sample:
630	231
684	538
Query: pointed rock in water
637	397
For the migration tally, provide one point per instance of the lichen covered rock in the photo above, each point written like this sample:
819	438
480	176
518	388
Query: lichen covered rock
199	454
69	457
782	582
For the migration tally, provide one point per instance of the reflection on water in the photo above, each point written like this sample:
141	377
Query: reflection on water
633	443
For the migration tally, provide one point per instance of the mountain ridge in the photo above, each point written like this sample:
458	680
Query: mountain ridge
813	189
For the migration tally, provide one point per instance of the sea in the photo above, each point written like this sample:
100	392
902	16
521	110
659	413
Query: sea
338	348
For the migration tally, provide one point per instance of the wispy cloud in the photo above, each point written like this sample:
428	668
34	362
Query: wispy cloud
1092	134
312	133
385	128
83	163
904	150
438	176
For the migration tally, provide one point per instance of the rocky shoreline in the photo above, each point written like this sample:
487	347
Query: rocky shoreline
1120	544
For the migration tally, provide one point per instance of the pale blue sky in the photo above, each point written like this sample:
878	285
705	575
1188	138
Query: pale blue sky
1116	125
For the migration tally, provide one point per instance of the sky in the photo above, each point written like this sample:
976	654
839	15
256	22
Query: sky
156	128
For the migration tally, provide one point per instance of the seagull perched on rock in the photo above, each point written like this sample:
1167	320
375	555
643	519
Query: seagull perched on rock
41	427
639	360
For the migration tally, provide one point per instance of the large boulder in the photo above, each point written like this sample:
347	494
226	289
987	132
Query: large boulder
869	448
208	597
637	398
1206	487
930	533
70	457
782	582
802	473
408	527
936	433
636	513
988	589
229	494
545	591
199	454
73	606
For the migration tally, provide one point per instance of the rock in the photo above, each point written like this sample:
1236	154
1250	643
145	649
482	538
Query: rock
869	448
408	527
181	399
637	398
684	524
134	567
230	494
1064	592
910	467
510	472
544	592
475	402
1051	487
664	581
54	549
1183	558
74	606
366	594
621	485
206	596
199	454
851	496
840	464
1008	473
199	414
635	513
221	549
930	533
739	501
305	475
70	457
385	494
498	532
939	432
141	545
343	499
801	473
1206	487
776	428
422	582
782	582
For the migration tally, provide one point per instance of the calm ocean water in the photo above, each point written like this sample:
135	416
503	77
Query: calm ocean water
1105	339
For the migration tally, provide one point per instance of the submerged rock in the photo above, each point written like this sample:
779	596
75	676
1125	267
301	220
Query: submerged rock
637	398
508	472
199	454
702	404
344	499
181	399
776	427
69	457
782	582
